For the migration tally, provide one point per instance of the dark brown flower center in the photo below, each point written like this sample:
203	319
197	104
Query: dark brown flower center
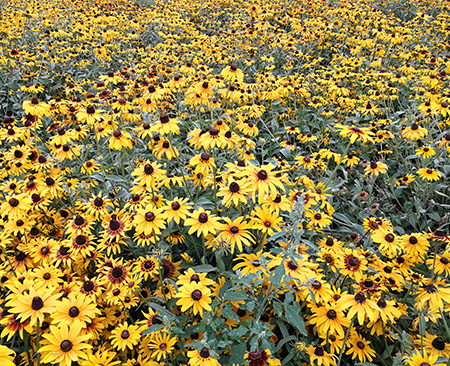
353	261
203	218
175	206
13	202
114	225
164	118
234	187
74	312
316	284
331	314
80	240
196	295
205	157
204	353
117	272
148	169
125	334
373	165
389	238
234	229
319	351
438	343
88	286
37	303
262	175
360	345
149	216
66	346
382	303
360	298
98	202
79	221
195	278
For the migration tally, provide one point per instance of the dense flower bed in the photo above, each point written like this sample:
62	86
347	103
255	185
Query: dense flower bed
224	182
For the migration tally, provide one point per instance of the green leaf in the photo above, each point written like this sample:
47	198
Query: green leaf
236	296
228	312
422	325
237	354
277	276
293	317
434	216
277	236
161	310
284	341
238	332
278	307
204	268
153	328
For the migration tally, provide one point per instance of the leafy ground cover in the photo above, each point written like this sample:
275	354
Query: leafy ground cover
224	182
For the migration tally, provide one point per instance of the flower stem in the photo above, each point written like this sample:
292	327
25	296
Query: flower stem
37	344
345	340
337	165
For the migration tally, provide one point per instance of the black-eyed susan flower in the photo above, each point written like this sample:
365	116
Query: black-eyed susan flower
234	192
317	218
191	276
329	319
389	243
201	358
202	222
360	347
75	309
318	355
418	359
125	336
15	206
355	133
266	221
196	296
150	220
263	181
7	356
414	132
435	345
64	345
35	107
161	345
33	305
89	115
426	152
429	174
236	232
359	305
375	168
120	139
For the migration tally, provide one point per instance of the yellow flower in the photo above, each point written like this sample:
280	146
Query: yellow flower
196	296
64	345
429	174
125	336
202	222
6	356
